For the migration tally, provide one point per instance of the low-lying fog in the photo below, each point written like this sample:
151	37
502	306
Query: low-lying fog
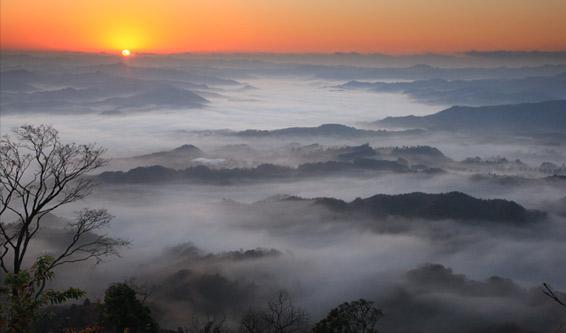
184	233
264	104
323	261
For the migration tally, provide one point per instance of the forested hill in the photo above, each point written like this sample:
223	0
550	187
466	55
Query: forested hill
544	116
451	205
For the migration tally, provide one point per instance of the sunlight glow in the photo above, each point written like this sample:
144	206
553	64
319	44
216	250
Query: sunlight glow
158	26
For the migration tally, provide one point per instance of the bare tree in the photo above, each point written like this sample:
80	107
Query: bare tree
38	174
143	291
252	322
280	316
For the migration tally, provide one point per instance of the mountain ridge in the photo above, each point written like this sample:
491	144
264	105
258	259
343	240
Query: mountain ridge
541	116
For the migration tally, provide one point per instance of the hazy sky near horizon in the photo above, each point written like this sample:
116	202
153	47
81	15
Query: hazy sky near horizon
407	26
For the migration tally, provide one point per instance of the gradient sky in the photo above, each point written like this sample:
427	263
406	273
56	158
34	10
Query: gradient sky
394	26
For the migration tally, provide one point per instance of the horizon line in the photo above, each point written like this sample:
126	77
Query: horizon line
469	52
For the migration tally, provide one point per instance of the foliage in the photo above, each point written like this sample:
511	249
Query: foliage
123	310
39	174
359	316
70	318
27	294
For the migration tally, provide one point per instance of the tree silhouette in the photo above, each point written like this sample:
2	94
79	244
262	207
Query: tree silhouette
123	310
38	174
252	322
359	316
280	316
548	291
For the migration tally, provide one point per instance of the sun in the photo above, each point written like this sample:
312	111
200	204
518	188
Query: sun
126	53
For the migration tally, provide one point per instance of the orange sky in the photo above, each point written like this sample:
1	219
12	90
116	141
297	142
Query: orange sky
392	26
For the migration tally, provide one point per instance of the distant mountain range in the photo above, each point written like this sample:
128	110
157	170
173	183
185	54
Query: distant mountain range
159	73
419	71
106	88
171	97
473	92
557	181
543	116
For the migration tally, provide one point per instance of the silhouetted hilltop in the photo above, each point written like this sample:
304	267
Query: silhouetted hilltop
452	205
178	158
186	150
543	116
322	130
353	152
415	154
201	173
190	252
160	96
94	92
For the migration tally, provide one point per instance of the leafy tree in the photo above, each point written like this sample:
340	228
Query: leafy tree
359	316
123	310
29	285
73	318
38	174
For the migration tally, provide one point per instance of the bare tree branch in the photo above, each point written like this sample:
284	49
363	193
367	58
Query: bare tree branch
548	291
39	174
280	316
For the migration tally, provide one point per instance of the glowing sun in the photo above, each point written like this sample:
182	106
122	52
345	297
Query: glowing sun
126	53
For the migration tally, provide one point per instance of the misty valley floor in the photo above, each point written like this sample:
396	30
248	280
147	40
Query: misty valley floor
220	218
